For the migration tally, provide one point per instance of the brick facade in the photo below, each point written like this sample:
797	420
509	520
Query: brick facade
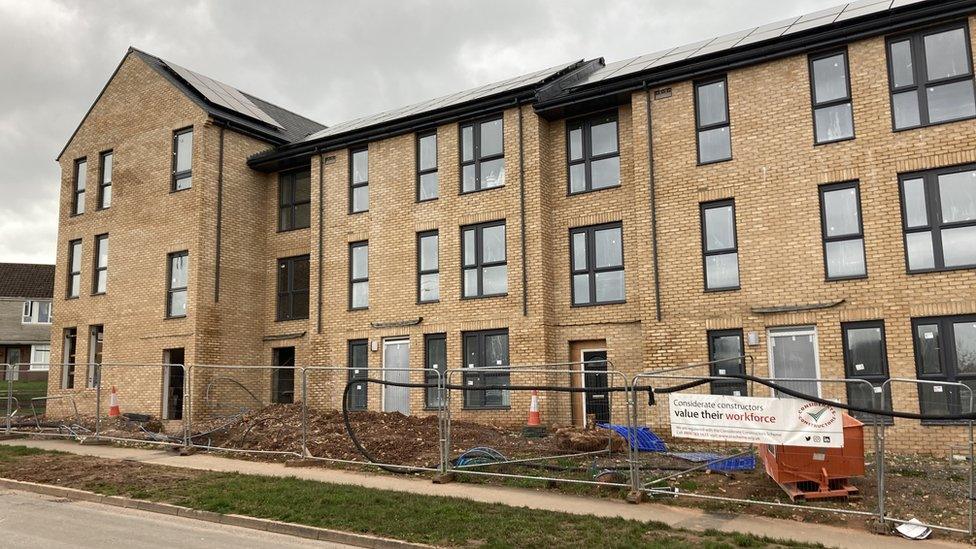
773	177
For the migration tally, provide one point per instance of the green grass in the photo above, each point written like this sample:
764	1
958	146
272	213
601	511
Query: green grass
409	517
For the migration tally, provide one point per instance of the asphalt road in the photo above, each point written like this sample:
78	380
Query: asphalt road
33	520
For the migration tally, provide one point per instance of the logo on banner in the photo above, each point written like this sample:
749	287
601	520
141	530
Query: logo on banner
817	415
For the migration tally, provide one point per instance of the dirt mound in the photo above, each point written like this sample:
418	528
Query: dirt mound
572	439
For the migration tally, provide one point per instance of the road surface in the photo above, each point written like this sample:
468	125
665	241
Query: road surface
33	520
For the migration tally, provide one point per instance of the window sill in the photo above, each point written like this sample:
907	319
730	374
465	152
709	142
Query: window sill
489	296
831	142
174	190
720	290
476	191
931	124
942	423
355	309
359	212
290	319
103	209
943	270
589	191
484	408
711	162
71	297
176	317
845	278
98	293
424	200
598	304
427	302
291	230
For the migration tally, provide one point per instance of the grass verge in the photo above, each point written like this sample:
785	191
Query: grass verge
426	519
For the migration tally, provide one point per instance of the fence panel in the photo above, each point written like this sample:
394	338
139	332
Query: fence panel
488	435
41	407
729	475
391	419
138	403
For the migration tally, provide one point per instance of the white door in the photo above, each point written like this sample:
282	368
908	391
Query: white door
396	361
793	354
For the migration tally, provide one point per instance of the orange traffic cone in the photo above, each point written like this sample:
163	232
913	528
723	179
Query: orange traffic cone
113	403
534	419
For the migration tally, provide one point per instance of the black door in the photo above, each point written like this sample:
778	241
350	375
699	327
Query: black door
595	377
174	385
284	376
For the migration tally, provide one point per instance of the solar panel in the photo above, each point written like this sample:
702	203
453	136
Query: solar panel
222	95
457	98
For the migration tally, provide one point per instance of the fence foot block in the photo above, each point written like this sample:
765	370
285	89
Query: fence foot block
636	496
444	478
879	527
186	450
300	463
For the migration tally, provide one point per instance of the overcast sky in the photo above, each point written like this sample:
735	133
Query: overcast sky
328	60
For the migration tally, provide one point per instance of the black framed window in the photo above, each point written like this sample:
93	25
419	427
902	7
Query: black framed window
358	362
283	376
712	121
842	230
80	183
866	358
930	74
294	200
720	250
359	275
726	354
105	180
428	187
182	159
292	288
939	219
435	359
597	264
830	93
69	358
482	155
428	267
945	350
74	269
593	153
486	349
100	270
358	180
177	277
484	260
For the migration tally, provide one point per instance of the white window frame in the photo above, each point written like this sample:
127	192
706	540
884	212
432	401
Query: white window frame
36	365
31	313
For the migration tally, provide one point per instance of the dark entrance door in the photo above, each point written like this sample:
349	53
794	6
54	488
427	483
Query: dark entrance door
284	376
596	403
174	383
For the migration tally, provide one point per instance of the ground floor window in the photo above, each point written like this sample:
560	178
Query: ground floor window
727	357
483	349
173	383
866	358
945	350
40	357
358	362
283	380
69	350
435	360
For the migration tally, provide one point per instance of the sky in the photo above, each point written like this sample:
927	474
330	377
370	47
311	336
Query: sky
328	60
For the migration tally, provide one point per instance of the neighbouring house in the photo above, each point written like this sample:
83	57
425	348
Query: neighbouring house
26	293
802	193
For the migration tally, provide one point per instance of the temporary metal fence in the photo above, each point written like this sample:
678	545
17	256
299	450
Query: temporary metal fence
466	420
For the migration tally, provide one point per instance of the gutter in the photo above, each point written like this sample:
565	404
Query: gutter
913	16
653	199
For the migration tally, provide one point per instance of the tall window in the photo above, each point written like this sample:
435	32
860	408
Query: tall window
833	116
358	362
36	312
74	268
435	360
182	159
931	77
945	350
727	357
720	251
294	200
842	230
358	180
359	275
712	121
597	264
939	218
100	274
594	154
105	181
428	266
80	183
486	349
866	358
482	155
292	288
484	259
283	377
427	183
69	358
176	283
96	338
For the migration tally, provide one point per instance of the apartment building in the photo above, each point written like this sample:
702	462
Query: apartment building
803	192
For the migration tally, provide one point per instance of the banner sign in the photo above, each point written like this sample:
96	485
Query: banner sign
756	420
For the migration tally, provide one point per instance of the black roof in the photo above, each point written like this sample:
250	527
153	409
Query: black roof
26	280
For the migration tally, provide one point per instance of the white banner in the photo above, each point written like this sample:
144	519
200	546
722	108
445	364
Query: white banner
756	420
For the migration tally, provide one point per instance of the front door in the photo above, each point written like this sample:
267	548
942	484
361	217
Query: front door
12	359
793	355
173	377
596	403
396	363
